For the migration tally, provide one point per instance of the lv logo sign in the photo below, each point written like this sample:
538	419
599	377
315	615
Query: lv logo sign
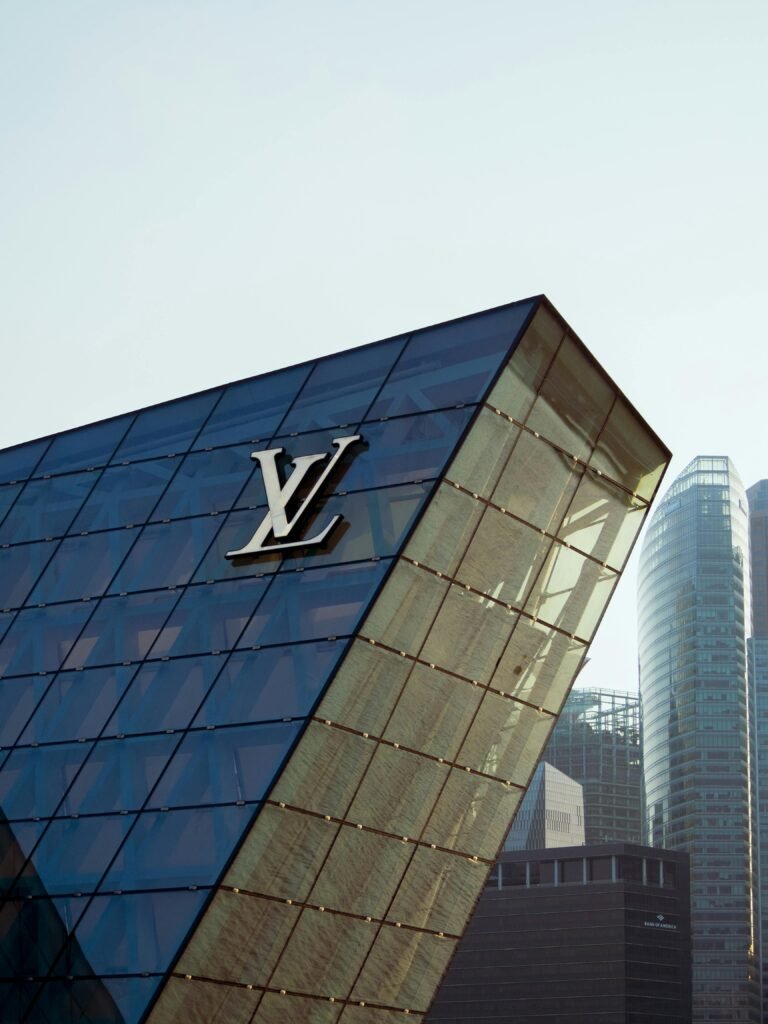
277	521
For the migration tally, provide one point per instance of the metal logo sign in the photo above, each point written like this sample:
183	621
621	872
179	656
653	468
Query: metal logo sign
277	521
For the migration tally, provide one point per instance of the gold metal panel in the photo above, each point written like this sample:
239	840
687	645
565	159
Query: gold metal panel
403	968
283	855
434	712
405	608
365	688
277	1009
323	954
442	536
472	814
438	891
398	791
242	938
203	1002
538	664
362	872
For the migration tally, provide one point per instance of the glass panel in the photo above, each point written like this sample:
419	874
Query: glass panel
210	618
125	495
670	874
74	853
538	665
513	874
504	558
450	363
438	892
8	494
341	388
235	532
603	521
251	410
18	699
282	853
628	452
445	530
361	873
572	871
406	449
203	1001
573	402
398	792
538	483
166	429
20	568
403	969
375	523
224	765
93	999
166	554
19	462
324	770
176	848
522	376
206	482
405	608
365	688
165	695
85	447
315	604
39	639
134	932
277	1009
482	456
45	508
279	682
433	712
473	814
82	566
571	592
33	780
324	953
506	739
239	938
119	774
483	627
77	705
121	629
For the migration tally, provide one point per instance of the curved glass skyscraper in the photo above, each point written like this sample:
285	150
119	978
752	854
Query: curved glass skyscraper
693	604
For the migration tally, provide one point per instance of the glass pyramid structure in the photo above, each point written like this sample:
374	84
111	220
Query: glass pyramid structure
278	661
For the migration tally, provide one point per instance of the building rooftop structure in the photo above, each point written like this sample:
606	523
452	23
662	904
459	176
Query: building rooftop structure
551	813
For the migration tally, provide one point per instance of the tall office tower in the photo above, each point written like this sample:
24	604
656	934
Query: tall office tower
551	814
597	742
693	601
757	645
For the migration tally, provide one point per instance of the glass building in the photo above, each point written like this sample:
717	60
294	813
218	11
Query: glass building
550	814
697	708
278	660
757	646
597	742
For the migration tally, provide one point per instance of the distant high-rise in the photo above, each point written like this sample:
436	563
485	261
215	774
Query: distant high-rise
693	604
551	813
758	671
597	742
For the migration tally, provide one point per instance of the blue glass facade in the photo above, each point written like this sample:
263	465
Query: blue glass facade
150	689
697	711
166	711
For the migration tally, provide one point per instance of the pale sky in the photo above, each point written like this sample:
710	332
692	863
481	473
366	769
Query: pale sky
194	191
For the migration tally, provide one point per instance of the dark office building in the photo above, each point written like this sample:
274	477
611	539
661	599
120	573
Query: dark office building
578	935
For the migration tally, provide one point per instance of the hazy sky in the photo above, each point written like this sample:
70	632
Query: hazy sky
193	191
